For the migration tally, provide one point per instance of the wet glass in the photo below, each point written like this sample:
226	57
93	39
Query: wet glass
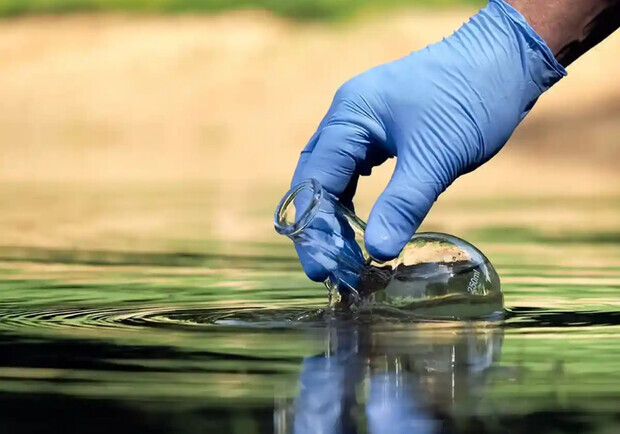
435	275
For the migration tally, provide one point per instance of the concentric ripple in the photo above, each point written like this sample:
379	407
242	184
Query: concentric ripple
159	317
206	318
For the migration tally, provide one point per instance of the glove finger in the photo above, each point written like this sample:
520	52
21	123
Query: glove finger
316	270
304	157
336	156
333	163
398	213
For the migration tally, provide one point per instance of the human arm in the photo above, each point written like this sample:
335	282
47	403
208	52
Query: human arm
570	27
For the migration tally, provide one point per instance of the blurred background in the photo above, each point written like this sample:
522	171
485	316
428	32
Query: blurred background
144	145
175	126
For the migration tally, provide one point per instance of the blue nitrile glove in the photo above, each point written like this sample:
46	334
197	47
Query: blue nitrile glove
443	111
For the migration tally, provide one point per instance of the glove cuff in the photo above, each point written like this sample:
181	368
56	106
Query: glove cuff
542	65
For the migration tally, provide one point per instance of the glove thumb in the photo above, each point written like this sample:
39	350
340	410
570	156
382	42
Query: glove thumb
398	213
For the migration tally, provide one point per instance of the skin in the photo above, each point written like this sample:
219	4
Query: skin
570	27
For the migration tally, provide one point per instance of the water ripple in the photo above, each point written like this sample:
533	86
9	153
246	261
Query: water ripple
197	319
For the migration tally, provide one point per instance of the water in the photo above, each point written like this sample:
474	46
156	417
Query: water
238	340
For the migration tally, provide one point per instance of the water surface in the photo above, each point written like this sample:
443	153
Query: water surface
236	339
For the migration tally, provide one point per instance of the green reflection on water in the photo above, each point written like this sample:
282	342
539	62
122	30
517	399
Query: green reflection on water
132	327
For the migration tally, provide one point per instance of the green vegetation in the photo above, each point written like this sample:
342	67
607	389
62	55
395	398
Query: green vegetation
298	9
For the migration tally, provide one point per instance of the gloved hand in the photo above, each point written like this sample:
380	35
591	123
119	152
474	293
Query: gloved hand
442	111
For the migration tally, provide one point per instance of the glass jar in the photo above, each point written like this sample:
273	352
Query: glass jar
435	274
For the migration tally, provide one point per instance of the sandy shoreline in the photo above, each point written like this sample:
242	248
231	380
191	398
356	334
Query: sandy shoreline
234	97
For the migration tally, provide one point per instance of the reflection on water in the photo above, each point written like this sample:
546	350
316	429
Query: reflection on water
421	379
248	350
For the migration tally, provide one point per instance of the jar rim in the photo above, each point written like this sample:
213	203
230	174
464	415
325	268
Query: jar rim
285	228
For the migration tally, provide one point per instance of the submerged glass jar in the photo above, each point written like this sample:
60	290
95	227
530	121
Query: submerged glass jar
436	274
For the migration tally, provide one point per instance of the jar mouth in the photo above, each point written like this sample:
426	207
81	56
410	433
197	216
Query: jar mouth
294	212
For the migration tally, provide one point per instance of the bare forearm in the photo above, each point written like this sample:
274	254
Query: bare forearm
570	27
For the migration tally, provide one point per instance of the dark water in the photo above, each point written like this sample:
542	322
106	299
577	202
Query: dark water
95	342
